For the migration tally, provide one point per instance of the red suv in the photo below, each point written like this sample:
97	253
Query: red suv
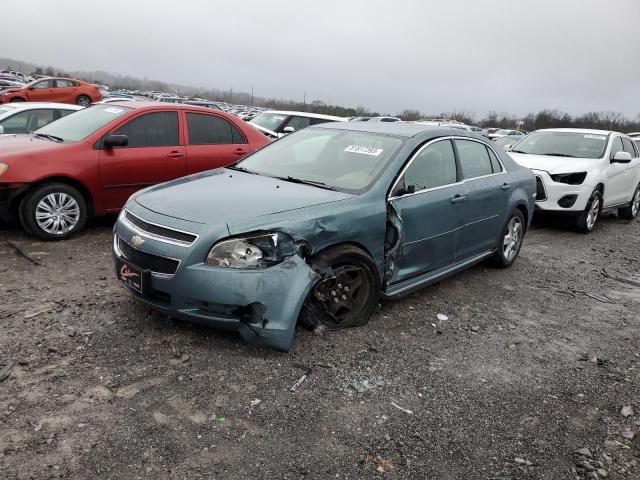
61	90
91	161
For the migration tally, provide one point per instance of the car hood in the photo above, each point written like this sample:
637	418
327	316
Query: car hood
24	145
12	90
230	196
552	164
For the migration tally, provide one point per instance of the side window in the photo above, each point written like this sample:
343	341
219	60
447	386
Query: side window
495	164
45	84
39	118
474	159
156	129
298	123
616	146
17	123
212	130
64	83
64	113
628	147
317	121
435	166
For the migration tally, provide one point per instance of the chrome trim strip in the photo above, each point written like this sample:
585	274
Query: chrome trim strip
439	139
159	238
119	254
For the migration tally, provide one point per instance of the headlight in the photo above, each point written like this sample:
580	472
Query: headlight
570	178
3	168
259	251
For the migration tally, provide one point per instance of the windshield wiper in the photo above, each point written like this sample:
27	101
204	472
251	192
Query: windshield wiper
49	136
518	151
559	155
242	169
306	182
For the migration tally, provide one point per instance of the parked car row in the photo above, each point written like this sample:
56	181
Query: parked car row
223	226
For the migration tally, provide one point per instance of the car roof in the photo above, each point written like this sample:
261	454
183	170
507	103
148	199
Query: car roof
577	130
34	105
151	105
306	114
399	129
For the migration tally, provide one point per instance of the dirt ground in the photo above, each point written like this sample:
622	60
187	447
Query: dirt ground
527	369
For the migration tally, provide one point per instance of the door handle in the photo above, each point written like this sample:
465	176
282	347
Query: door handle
459	199
175	154
240	151
505	186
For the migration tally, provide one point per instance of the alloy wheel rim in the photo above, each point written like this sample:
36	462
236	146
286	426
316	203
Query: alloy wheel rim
592	216
57	213
344	295
84	102
512	238
636	203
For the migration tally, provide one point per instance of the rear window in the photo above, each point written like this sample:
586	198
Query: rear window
212	130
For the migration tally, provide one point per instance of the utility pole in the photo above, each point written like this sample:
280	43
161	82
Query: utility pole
304	102
252	95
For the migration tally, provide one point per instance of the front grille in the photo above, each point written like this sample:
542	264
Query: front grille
147	261
541	194
159	231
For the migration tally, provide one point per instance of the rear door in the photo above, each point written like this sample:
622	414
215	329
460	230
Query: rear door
212	142
66	91
154	154
430	200
488	189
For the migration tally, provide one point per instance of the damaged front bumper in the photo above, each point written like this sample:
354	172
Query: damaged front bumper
261	304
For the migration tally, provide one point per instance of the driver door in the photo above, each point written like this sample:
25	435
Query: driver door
42	91
430	200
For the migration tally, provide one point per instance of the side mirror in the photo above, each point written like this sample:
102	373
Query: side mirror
289	130
621	157
507	147
111	141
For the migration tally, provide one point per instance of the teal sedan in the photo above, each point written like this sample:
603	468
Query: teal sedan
316	227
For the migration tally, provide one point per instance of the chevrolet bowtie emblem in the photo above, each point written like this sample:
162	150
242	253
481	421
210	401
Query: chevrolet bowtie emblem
137	241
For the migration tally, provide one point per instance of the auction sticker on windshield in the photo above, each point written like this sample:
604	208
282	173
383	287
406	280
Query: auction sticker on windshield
364	150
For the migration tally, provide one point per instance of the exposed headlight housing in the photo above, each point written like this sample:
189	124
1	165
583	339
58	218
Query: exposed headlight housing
253	252
3	168
570	178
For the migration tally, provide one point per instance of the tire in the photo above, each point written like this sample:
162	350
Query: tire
53	211
17	99
631	211
510	240
336	302
83	101
586	221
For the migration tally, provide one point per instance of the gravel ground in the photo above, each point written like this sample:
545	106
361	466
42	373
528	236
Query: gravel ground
527	369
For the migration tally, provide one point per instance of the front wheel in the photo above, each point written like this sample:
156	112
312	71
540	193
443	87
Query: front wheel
17	99
53	211
83	101
631	211
586	221
347	294
510	240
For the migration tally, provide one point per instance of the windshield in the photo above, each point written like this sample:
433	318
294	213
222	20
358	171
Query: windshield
79	125
270	121
340	159
563	144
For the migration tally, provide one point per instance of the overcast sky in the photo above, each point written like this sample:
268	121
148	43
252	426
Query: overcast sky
436	56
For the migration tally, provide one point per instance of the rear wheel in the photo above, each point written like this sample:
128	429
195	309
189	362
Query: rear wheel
83	101
348	292
53	211
631	211
586	221
510	240
17	99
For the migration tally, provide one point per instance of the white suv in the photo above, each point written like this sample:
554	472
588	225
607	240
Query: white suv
582	172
